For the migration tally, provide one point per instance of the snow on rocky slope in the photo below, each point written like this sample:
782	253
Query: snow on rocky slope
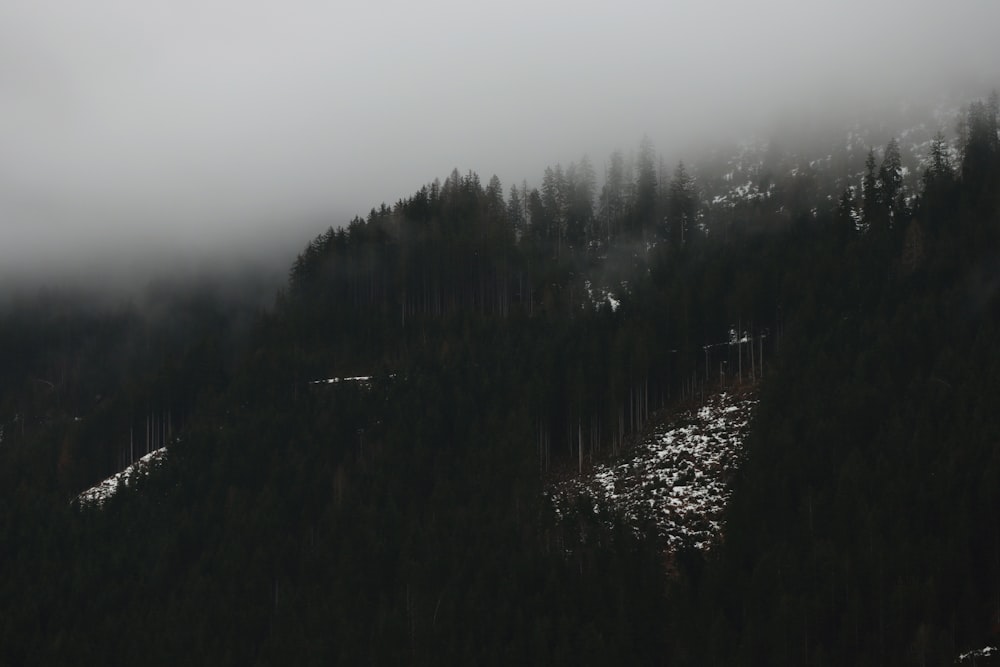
97	495
756	170
679	474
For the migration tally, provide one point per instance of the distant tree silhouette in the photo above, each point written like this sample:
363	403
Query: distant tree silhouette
682	206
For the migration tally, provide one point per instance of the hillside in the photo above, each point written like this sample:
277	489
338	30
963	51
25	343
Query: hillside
676	475
505	339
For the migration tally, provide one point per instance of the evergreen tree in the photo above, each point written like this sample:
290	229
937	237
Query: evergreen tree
540	223
846	215
554	201
938	183
682	206
980	148
646	195
613	197
993	114
517	211
940	168
581	182
871	198
890	183
494	198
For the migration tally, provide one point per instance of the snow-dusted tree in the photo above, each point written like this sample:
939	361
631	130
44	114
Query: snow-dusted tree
940	173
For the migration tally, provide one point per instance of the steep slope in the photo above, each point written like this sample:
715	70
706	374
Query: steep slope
100	493
677	474
403	522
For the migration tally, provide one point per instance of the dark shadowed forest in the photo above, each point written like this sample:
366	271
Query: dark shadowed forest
507	337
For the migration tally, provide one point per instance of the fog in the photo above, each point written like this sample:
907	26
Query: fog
141	137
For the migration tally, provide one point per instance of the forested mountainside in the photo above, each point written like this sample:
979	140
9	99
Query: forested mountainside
512	338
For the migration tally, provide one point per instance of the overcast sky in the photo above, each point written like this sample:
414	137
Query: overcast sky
131	128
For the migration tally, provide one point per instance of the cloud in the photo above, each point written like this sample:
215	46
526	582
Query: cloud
208	124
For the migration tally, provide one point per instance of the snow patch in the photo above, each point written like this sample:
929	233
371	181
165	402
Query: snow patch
678	475
97	495
985	652
358	379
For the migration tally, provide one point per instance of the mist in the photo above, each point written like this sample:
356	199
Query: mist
191	136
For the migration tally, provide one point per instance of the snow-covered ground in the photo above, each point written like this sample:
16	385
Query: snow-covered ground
358	379
600	296
98	494
679	474
971	656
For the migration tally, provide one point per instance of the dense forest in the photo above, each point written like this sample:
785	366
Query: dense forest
507	338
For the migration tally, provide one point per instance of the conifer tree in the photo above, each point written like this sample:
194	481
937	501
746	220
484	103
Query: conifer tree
871	202
890	179
646	196
682	205
846	211
580	210
612	200
517	211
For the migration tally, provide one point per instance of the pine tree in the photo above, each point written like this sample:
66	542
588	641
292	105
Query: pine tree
940	166
554	203
496	209
871	201
938	177
538	222
646	197
682	205
890	181
993	113
580	211
516	212
846	214
612	200
980	143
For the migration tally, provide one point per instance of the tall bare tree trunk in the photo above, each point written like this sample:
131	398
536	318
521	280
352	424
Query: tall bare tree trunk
579	444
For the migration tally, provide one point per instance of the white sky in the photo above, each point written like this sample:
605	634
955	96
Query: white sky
131	127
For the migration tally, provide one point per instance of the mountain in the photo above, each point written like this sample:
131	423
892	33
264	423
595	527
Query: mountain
513	344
